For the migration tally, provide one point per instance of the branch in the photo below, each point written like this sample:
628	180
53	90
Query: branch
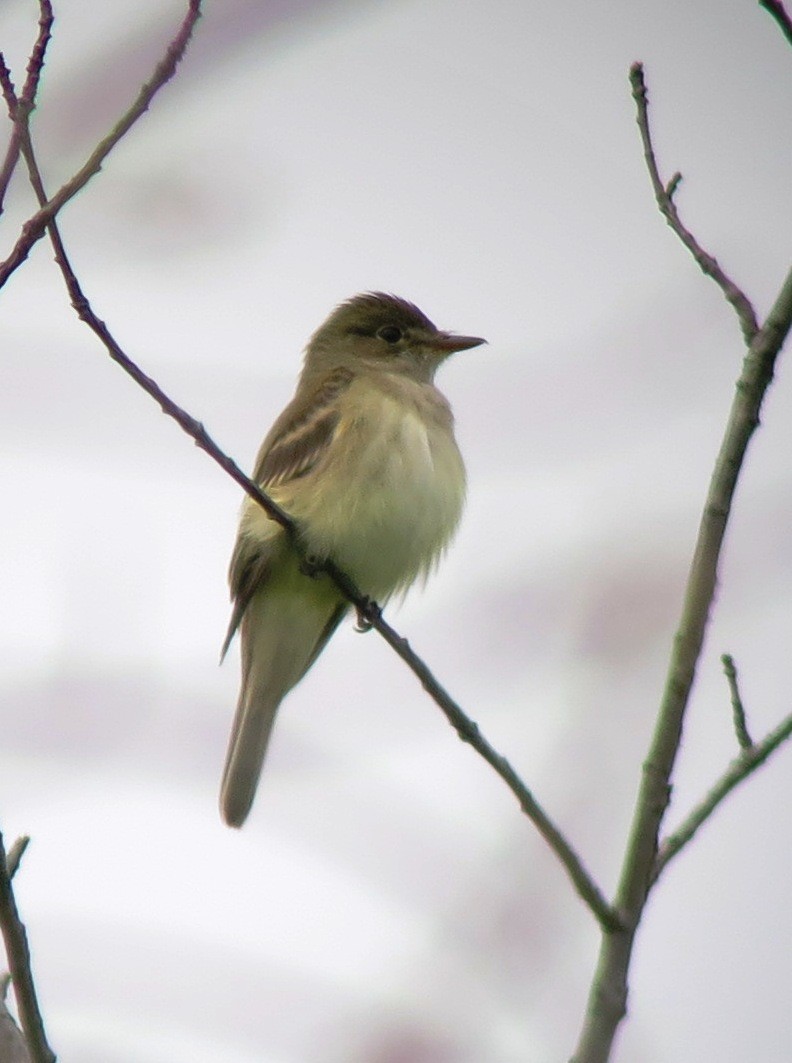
776	9
18	954
740	768
607	1001
469	732
664	194
12	151
608	996
35	227
27	100
738	709
36	60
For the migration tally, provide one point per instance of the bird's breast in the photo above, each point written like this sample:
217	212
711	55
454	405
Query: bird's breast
388	497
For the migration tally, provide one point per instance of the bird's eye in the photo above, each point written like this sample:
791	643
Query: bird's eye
390	333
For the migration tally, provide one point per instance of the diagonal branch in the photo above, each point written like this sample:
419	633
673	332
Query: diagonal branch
12	151
35	227
740	768
756	376
469	732
664	194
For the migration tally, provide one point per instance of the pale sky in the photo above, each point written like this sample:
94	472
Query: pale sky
387	902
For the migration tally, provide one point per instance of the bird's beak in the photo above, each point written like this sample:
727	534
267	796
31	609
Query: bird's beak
448	343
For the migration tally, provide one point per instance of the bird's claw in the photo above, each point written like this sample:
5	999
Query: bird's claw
367	613
311	566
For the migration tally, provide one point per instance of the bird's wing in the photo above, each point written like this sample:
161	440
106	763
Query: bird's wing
296	444
302	433
250	566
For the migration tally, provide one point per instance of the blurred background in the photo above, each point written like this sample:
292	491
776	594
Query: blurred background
387	902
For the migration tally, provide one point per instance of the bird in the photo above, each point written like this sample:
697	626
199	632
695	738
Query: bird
365	462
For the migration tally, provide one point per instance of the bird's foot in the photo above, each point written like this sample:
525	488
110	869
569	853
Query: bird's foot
311	566
367	613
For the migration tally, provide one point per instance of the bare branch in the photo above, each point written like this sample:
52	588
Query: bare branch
777	10
36	61
18	954
738	709
469	732
27	100
12	151
35	227
664	194
608	995
741	767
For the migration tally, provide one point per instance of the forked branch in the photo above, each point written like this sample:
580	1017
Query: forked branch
741	767
664	194
608	995
35	227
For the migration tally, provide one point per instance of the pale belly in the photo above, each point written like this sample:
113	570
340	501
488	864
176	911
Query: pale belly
394	510
385	504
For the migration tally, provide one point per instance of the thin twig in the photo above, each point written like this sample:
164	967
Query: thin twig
36	62
470	732
12	151
27	99
18	955
738	709
740	768
35	227
777	10
664	194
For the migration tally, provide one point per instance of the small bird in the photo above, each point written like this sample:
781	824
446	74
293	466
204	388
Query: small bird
365	461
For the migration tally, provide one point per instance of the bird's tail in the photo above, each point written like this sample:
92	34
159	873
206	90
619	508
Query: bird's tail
283	633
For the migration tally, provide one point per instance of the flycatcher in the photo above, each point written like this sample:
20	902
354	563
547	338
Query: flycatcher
365	461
